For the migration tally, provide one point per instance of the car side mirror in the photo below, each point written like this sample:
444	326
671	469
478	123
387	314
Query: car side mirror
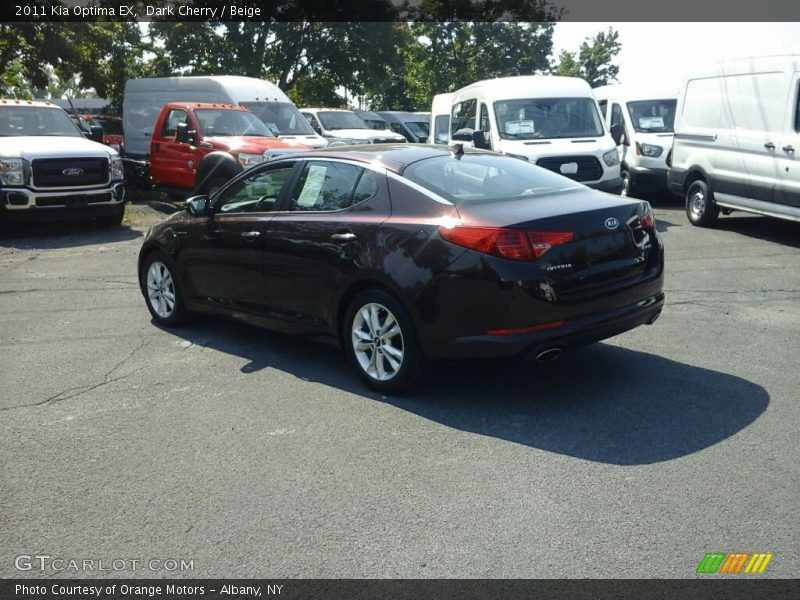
617	133
463	135
96	133
198	206
479	140
184	135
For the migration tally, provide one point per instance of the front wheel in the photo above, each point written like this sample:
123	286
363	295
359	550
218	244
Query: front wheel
381	342
163	290
700	207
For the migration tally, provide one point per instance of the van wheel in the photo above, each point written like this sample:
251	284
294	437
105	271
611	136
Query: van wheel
700	207
626	183
381	342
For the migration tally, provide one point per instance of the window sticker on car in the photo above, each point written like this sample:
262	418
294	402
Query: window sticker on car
313	185
651	122
515	127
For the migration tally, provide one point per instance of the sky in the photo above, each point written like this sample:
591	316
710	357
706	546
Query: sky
664	53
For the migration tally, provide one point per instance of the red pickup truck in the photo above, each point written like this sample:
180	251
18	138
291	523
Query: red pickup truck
196	147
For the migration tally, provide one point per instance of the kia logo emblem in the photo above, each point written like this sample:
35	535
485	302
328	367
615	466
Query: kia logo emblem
612	223
73	171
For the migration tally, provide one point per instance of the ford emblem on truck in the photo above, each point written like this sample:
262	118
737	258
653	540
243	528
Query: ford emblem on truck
612	223
73	171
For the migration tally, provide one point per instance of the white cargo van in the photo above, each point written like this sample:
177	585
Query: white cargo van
737	139
647	115
144	99
554	122
440	119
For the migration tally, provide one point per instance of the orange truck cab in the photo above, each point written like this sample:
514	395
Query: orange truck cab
196	147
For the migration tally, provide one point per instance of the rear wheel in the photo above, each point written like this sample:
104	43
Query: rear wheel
700	207
381	342
163	290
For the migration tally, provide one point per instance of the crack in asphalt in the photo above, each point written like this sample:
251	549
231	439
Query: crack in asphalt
83	389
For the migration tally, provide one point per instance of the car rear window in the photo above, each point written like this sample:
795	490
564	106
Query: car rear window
484	178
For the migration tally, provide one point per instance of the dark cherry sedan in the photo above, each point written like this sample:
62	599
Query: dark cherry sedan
410	254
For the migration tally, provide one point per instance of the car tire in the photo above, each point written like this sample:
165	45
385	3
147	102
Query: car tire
381	342
627	184
162	290
210	187
700	207
115	218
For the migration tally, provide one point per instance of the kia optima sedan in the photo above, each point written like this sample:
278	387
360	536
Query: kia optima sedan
404	255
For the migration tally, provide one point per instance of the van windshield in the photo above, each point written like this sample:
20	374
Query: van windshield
547	118
653	116
340	119
282	118
230	121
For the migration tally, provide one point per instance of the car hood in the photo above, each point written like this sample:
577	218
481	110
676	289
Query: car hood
557	147
40	146
250	144
366	134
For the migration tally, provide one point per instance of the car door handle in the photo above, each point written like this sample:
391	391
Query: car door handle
769	146
251	234
344	236
179	233
789	149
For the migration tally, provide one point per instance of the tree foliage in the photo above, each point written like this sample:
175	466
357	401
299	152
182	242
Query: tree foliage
594	60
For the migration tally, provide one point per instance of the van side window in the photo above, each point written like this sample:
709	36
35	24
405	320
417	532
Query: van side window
603	108
463	115
797	110
616	115
440	126
483	119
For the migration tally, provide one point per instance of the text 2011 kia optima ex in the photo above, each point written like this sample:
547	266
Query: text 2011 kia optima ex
408	254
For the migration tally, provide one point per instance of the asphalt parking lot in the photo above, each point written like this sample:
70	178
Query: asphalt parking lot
254	454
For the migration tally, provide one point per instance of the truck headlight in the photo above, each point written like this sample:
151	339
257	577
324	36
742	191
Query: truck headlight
248	160
333	142
611	158
12	171
117	169
649	150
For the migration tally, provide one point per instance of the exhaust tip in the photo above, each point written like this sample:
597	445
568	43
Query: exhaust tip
549	355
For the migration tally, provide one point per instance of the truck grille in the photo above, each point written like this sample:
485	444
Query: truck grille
52	172
589	168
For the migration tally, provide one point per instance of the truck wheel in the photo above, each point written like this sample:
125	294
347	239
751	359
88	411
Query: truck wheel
210	187
700	207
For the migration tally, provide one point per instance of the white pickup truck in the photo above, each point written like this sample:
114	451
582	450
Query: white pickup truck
50	171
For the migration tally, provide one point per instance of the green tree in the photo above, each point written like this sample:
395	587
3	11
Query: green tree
594	60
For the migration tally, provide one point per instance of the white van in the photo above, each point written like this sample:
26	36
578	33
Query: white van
440	119
144	99
554	122
344	127
737	139
647	115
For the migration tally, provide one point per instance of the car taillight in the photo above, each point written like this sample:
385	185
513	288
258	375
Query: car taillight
514	244
648	220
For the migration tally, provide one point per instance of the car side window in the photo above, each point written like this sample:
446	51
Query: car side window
257	193
483	119
175	116
327	186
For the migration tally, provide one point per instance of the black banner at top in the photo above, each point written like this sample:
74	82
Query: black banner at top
397	10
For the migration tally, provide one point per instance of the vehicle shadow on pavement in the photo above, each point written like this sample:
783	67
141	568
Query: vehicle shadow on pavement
34	236
601	403
778	231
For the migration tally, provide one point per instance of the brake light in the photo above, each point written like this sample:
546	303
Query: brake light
514	244
648	220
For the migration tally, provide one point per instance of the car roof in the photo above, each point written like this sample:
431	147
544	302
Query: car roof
393	157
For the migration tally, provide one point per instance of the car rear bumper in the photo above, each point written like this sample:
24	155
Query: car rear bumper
572	333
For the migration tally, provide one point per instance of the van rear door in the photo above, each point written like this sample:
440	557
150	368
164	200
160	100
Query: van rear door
787	188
